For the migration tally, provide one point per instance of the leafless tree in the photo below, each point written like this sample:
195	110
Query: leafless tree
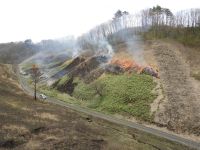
35	76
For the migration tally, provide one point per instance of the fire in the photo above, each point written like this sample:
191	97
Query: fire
126	64
130	65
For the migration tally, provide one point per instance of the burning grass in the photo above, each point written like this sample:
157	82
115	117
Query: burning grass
127	64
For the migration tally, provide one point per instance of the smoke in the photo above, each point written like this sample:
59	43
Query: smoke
104	48
136	49
99	45
133	43
101	40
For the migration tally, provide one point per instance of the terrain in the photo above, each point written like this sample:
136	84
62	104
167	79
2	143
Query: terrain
29	124
92	80
16	52
178	107
163	102
129	83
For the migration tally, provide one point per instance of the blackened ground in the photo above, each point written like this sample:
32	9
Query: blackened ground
69	67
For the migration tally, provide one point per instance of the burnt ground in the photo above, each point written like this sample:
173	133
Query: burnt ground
69	67
179	109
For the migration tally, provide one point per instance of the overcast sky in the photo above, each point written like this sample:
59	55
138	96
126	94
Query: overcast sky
43	19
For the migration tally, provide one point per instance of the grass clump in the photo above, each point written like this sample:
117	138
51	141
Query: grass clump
196	75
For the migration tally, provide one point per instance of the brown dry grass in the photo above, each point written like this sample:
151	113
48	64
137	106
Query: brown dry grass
179	110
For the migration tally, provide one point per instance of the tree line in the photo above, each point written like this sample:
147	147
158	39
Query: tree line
155	22
183	26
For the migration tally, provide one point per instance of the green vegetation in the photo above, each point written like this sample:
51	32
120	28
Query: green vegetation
189	36
56	94
83	91
196	75
63	80
119	94
182	26
124	94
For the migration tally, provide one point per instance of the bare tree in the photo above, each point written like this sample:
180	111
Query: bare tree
35	76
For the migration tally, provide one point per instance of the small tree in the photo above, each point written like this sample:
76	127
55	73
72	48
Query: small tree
35	76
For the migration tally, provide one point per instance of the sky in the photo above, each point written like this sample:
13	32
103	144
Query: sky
49	19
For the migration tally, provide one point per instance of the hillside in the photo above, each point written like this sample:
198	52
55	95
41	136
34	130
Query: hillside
28	124
120	86
15	52
179	108
101	81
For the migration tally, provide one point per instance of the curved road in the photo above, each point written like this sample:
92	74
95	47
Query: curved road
112	119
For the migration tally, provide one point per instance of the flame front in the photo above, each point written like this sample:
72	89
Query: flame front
127	64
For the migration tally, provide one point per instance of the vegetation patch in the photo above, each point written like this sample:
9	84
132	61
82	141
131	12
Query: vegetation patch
185	35
63	80
129	94
196	75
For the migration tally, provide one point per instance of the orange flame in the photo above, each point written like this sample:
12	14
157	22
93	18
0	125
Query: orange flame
126	64
130	65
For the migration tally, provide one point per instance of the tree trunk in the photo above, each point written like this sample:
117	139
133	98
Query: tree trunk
35	96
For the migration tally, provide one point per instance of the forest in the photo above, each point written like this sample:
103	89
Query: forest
152	23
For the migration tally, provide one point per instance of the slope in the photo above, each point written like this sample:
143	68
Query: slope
28	124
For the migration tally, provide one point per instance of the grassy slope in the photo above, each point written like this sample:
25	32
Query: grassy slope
129	94
26	124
